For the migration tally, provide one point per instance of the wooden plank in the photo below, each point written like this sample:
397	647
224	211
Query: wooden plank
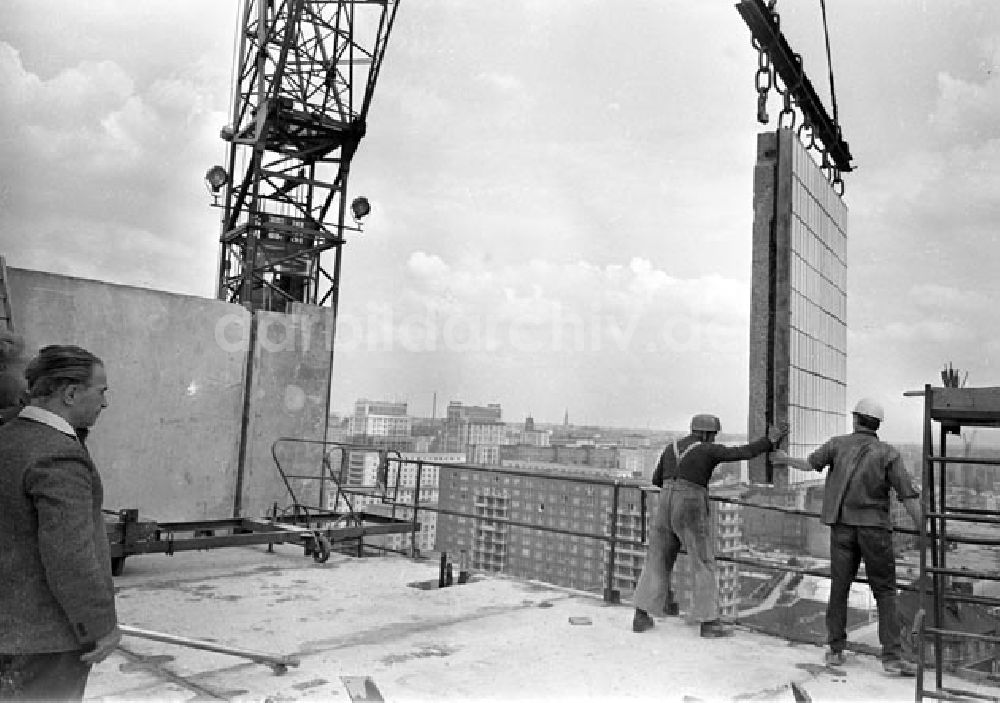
966	405
278	662
362	689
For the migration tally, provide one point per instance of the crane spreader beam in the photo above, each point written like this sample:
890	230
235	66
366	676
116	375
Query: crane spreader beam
767	33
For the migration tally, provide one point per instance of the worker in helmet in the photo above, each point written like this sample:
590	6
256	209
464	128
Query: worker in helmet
682	517
856	507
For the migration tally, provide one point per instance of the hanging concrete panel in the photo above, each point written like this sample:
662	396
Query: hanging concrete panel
798	327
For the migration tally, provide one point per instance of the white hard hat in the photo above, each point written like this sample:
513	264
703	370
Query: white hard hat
869	407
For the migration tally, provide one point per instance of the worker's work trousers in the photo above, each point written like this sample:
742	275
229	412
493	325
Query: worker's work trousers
54	676
682	518
850	544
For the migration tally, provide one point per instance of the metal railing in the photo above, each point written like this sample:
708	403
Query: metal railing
610	536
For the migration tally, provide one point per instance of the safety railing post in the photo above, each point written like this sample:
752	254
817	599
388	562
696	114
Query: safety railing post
642	516
927	500
416	508
941	544
610	594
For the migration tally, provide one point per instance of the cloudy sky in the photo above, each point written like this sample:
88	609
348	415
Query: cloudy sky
561	190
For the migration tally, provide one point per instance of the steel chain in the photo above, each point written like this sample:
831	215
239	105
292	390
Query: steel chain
763	83
837	182
826	167
779	85
787	111
765	79
807	126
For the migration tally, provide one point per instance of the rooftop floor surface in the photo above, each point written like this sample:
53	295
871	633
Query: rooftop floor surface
496	638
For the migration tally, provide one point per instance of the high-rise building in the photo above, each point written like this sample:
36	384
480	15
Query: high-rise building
551	468
380	418
548	501
361	468
459	412
400	487
475	430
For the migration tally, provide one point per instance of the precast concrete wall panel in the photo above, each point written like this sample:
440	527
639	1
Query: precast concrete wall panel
798	341
291	381
169	440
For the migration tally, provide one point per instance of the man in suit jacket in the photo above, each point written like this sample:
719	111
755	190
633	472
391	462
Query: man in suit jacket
57	613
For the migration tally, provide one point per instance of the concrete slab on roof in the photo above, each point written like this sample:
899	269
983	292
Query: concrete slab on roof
168	442
291	382
497	639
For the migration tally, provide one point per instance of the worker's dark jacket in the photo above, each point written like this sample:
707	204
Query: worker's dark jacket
701	458
56	592
862	469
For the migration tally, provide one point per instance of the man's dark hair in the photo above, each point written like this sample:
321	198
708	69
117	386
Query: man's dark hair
868	422
57	366
12	387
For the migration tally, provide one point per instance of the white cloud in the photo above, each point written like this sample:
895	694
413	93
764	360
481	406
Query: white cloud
575	307
104	171
427	266
929	331
967	110
959	300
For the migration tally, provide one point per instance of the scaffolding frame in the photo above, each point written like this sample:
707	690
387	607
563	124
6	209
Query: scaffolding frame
951	409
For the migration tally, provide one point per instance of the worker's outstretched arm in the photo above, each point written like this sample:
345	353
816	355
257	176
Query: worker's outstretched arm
780	458
748	451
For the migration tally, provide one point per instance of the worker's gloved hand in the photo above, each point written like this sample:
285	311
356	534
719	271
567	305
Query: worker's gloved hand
103	647
777	456
776	434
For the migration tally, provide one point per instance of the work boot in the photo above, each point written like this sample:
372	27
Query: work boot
642	621
715	628
670	608
834	658
899	666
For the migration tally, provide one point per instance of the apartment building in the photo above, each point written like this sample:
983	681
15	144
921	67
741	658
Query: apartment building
380	424
372	501
554	468
553	502
361	467
401	487
576	554
380	418
466	425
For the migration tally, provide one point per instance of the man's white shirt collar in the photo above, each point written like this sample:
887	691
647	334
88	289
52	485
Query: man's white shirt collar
33	412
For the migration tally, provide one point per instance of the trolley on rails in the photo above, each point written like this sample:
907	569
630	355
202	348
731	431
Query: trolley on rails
316	527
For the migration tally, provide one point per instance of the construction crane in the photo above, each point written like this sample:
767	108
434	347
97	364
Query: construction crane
305	72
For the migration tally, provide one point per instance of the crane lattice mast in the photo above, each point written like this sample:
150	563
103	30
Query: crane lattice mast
305	74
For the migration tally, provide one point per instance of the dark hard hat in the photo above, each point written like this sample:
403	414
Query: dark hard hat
705	423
